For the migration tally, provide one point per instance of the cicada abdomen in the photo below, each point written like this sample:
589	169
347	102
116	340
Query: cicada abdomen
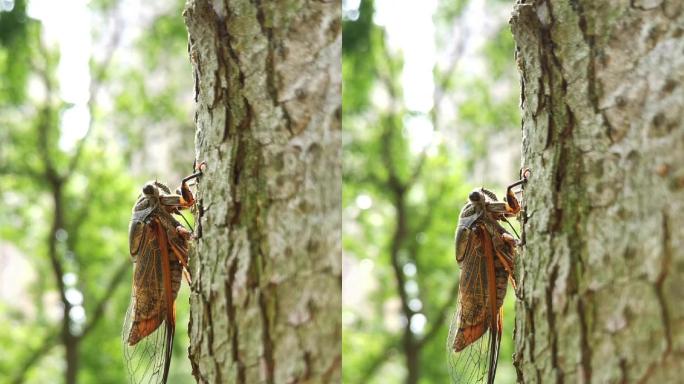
159	247
485	252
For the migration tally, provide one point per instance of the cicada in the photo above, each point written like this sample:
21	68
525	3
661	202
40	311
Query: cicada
159	249
485	252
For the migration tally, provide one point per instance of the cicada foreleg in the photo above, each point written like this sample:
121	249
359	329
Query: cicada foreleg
183	198
187	200
512	204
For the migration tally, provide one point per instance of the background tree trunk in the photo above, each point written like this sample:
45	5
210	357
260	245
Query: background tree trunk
602	270
266	295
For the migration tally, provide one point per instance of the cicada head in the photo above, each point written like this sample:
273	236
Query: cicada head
475	196
477	200
480	200
150	190
480	196
147	201
473	209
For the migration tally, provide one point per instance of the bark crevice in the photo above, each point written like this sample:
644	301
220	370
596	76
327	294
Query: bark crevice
551	320
268	343
585	349
660	282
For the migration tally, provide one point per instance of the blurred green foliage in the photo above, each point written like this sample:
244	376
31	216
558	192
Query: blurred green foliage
153	99
401	204
357	38
95	184
16	29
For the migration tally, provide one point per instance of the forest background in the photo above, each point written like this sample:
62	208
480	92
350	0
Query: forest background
91	106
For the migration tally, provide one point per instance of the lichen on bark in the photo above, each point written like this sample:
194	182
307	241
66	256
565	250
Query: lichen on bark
266	296
602	90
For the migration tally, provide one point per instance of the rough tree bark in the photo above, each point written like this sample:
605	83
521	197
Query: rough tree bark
266	295
603	133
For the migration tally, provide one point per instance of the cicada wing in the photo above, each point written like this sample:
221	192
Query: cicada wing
148	361
149	325
476	363
474	338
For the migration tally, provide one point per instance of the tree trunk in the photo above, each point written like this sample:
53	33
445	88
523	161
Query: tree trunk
602	269
69	340
266	295
410	345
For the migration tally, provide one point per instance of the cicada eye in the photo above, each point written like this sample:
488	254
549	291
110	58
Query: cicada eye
148	189
474	196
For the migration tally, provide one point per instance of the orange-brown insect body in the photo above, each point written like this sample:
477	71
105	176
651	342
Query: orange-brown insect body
158	246
485	252
151	229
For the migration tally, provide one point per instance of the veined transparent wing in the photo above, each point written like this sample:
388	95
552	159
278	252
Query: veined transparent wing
475	331
150	320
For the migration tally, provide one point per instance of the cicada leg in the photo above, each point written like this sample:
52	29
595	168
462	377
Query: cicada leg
512	203
183	232
183	197
187	200
499	321
180	253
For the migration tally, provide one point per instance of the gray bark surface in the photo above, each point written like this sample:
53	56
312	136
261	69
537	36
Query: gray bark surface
266	295
603	132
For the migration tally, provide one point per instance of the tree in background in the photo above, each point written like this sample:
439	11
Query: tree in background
603	134
401	203
66	210
266	295
43	181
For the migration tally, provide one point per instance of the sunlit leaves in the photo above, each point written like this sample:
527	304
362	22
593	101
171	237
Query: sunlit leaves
15	32
358	65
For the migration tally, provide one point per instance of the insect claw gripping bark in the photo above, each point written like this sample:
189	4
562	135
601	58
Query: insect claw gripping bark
485	253
159	247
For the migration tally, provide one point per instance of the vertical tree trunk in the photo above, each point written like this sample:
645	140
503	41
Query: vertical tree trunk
602	269
69	340
266	296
